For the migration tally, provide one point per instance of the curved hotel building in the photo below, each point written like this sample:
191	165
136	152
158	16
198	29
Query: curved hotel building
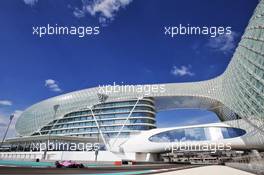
110	117
124	119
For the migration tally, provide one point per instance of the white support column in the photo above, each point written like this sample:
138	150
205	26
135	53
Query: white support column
130	113
99	130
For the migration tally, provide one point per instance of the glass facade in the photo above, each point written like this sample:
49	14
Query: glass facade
244	77
198	134
110	116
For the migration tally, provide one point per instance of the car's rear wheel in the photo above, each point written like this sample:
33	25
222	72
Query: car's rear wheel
81	166
57	164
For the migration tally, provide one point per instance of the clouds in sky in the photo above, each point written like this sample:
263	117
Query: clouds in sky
52	85
5	103
105	10
78	13
182	71
30	2
223	43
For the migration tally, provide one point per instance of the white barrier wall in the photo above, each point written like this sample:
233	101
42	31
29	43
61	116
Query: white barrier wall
62	155
21	155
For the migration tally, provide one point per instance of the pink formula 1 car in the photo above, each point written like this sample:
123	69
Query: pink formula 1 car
68	164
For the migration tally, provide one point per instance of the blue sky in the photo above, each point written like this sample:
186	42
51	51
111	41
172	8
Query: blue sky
131	48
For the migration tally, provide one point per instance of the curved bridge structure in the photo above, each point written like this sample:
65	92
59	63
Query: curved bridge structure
206	137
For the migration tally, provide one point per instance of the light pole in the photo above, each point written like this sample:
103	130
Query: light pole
10	120
102	98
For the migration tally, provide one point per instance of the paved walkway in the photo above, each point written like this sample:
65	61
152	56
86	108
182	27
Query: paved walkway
209	170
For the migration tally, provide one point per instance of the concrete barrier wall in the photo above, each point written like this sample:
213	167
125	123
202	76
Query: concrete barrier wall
254	167
61	155
21	155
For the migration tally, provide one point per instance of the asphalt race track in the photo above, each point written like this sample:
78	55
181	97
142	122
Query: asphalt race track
131	169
